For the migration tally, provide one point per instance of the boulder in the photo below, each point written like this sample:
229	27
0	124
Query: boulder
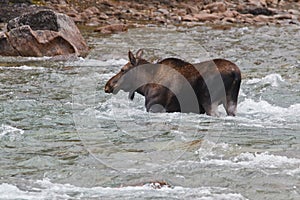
42	33
10	10
6	49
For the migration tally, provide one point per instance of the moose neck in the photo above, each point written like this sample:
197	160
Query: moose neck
146	76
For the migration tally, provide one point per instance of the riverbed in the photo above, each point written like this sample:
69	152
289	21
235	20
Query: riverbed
62	137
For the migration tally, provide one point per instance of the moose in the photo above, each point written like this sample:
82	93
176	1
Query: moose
174	85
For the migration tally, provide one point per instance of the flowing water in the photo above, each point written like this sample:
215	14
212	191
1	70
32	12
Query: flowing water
62	137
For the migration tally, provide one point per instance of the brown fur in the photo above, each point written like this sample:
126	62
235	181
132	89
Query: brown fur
173	85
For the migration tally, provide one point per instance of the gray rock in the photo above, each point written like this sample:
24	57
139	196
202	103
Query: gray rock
39	20
42	33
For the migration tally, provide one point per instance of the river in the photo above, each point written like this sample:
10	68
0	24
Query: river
62	137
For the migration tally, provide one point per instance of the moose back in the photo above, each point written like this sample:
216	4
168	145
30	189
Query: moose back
173	85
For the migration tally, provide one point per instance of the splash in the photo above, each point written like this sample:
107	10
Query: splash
45	189
275	80
10	133
249	106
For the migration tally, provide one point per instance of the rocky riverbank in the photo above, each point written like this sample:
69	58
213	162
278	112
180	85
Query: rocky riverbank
108	16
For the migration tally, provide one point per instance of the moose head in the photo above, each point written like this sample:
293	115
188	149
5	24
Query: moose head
124	80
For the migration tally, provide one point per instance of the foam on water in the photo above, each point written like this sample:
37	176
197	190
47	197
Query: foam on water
209	148
23	67
8	191
249	106
275	80
264	160
10	132
226	155
261	161
217	154
94	62
39	58
292	172
250	112
262	113
45	189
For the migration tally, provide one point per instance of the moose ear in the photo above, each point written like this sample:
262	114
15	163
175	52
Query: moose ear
139	53
131	58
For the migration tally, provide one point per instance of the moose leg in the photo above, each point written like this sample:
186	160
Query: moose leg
156	99
211	109
230	104
230	107
232	95
153	106
201	109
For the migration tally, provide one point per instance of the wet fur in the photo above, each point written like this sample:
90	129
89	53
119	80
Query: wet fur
201	77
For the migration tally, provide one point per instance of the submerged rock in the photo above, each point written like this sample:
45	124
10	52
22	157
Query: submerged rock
42	33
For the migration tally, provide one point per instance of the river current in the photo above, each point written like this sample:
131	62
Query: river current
62	137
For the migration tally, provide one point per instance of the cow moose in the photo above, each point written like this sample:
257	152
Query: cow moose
174	85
